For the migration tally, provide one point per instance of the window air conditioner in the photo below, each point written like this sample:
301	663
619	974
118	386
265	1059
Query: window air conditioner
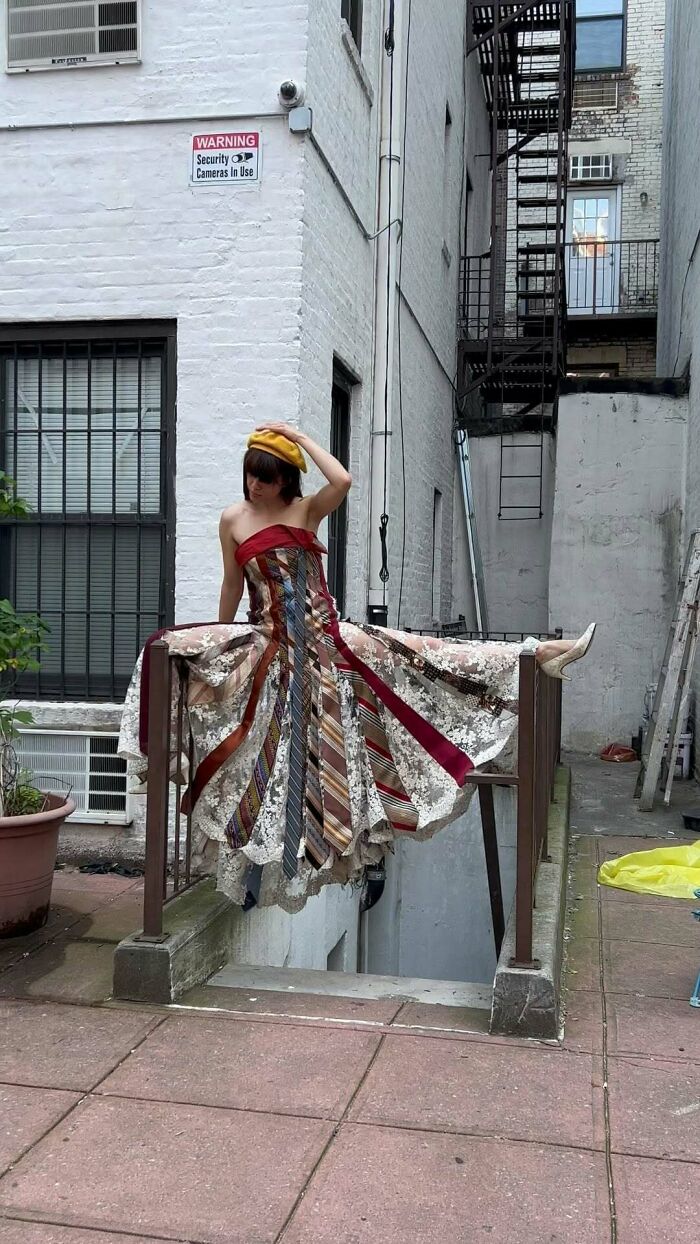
51	34
87	763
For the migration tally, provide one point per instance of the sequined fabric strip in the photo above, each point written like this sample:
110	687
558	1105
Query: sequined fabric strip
476	693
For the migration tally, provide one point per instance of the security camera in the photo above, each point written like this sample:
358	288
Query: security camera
291	95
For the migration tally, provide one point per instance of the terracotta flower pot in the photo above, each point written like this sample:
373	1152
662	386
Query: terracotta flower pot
28	847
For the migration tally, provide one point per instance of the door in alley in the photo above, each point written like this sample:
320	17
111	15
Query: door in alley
592	252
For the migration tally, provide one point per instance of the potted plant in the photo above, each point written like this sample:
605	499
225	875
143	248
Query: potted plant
30	819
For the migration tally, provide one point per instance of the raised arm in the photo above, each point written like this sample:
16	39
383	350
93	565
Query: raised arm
232	586
334	492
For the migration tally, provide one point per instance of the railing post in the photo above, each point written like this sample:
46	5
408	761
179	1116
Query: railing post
525	848
157	794
493	869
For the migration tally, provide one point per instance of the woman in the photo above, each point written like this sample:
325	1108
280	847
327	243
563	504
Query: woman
316	741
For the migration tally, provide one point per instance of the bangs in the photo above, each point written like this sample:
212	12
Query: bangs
271	470
265	467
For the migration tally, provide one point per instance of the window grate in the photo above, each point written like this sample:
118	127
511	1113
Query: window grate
53	34
592	95
87	430
87	765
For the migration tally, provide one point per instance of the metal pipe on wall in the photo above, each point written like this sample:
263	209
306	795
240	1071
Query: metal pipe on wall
386	256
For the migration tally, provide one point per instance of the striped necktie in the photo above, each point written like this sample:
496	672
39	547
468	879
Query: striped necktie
296	788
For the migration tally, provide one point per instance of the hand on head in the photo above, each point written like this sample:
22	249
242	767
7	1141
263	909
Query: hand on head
282	429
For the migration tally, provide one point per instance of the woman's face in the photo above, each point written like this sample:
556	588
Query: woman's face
261	493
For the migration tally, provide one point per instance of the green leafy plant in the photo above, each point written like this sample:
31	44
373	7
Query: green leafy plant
22	638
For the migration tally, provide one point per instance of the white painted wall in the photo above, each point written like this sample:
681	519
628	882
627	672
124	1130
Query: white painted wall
337	309
100	223
516	554
618	516
434	918
270	937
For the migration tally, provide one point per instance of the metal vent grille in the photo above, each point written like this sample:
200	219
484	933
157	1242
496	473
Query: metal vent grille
51	34
86	762
591	94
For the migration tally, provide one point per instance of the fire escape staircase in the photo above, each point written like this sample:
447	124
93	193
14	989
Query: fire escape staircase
513	306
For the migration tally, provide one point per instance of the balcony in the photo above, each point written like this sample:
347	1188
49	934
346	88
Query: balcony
612	286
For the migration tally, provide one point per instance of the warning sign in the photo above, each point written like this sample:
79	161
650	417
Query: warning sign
232	159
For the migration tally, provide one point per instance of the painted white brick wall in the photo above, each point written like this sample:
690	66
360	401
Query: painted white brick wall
209	57
429	281
638	119
337	314
108	228
338	275
99	222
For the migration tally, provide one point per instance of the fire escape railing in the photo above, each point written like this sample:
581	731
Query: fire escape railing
513	312
612	278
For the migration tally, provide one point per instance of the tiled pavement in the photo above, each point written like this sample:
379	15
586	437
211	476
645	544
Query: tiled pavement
306	1120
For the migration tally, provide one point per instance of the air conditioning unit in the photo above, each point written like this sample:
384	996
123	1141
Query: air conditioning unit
52	34
595	94
86	764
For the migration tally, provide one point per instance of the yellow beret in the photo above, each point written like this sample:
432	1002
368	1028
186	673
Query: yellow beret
279	446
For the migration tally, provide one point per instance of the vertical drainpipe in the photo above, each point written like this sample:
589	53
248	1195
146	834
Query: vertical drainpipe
385	309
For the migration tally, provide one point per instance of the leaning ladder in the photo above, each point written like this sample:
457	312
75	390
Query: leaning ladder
671	699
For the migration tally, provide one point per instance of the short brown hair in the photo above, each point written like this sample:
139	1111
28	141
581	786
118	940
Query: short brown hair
271	470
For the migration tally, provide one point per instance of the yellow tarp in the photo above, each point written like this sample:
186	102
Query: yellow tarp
673	872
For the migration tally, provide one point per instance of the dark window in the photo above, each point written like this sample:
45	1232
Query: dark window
447	178
437	554
351	10
600	34
338	520
87	431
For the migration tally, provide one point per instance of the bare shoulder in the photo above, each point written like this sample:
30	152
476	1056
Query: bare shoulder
229	518
300	512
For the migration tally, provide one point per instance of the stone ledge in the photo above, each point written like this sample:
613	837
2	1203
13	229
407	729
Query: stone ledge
526	1000
199	929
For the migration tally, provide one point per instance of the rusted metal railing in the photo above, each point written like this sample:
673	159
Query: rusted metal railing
169	871
169	742
539	747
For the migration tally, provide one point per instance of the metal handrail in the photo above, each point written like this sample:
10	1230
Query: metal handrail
612	278
600	278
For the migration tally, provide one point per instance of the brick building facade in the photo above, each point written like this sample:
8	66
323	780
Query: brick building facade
615	186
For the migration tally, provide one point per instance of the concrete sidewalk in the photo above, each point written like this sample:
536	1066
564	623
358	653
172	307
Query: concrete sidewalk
313	1119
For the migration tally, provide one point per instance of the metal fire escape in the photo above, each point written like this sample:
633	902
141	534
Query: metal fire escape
513	305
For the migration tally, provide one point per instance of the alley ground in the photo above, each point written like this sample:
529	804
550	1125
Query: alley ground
305	1119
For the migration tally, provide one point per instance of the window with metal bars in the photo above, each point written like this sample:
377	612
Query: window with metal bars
338	520
87	431
351	10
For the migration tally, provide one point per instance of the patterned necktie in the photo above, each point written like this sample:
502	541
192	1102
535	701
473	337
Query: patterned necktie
296	788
